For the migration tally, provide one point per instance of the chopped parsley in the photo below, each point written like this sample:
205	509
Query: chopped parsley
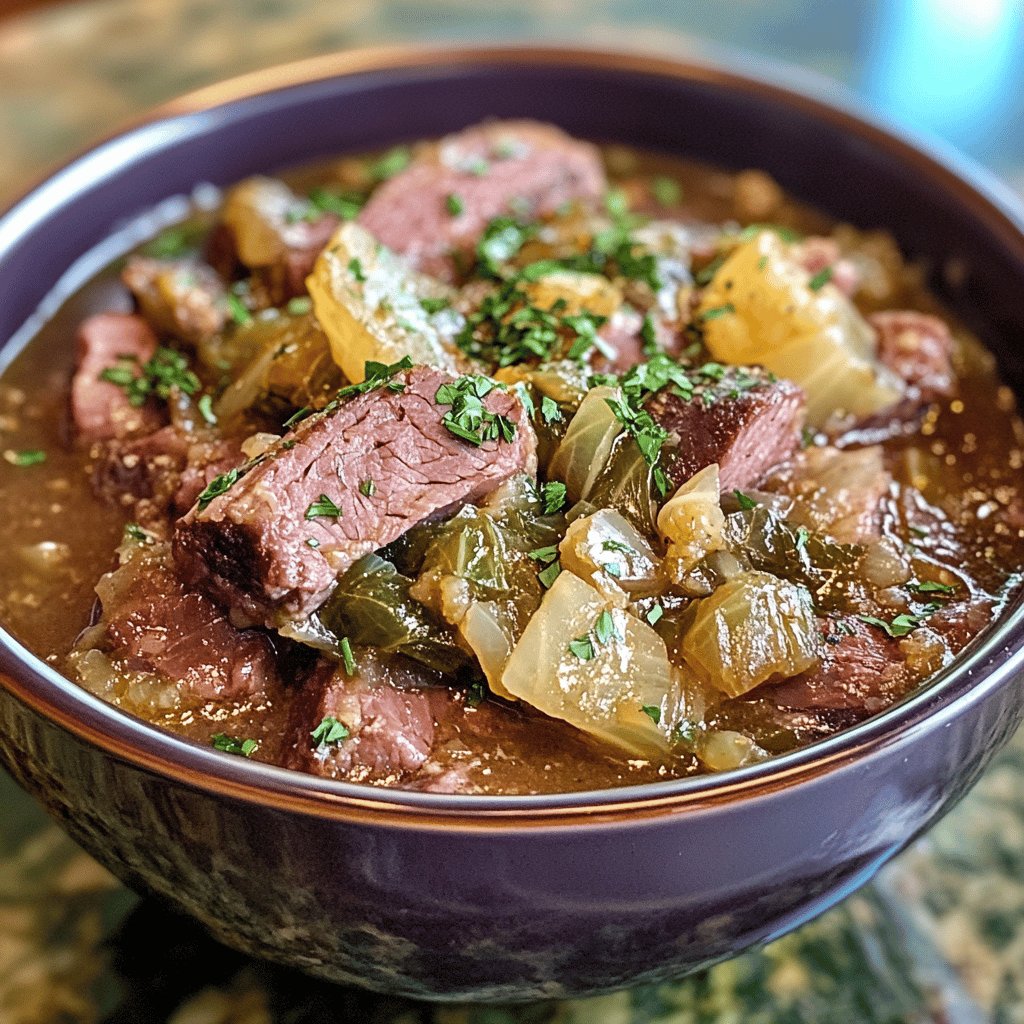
751	231
218	486
434	305
300	305
134	532
329	733
323	508
803	535
297	417
649	336
468	418
603	632
653	712
583	647
605	629
745	502
614	569
931	587
205	407
902	624
544	555
548	575
502	239
454	204
175	243
159	376
476	693
388	165
666	191
552	496
238	309
477	166
376	375
348	659
716	311
27	457
820	279
232	745
344	205
617	545
355	268
367	488
549	411
654	614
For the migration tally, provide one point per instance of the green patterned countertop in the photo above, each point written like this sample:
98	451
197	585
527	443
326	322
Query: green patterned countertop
938	937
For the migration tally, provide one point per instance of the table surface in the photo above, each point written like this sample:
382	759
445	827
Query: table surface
938	937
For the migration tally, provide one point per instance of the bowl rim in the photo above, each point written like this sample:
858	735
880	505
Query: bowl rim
999	651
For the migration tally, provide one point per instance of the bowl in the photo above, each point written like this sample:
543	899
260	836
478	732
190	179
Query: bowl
511	898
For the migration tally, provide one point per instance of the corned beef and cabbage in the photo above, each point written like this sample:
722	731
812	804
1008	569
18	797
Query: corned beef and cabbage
507	464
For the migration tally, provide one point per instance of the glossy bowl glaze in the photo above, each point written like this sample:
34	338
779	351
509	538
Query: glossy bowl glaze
511	898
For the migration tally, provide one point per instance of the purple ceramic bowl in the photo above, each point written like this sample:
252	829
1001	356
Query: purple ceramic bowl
530	897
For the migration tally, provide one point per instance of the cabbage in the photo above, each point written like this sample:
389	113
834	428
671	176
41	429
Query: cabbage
752	629
760	309
371	605
574	292
692	522
369	304
606	550
596	666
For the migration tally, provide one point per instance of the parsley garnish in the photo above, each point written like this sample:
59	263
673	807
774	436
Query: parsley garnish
454	204
176	242
166	371
654	614
28	457
803	535
217	486
232	745
388	165
134	532
355	268
716	311
616	545
552	496
649	336
375	375
344	205
430	305
468	417
603	632
902	624
367	488
605	629
820	279
297	417
300	305
238	310
653	712
931	587
550	574
502	239
549	411
544	555
330	732
666	191
582	647
347	657
323	508
745	503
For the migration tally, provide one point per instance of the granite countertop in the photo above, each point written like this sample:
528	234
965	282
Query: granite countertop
938	937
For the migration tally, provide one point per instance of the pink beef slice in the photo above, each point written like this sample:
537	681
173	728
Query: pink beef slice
101	410
250	546
747	422
492	168
151	623
861	670
919	348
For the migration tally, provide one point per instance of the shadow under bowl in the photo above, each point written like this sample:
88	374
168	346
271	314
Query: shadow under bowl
491	898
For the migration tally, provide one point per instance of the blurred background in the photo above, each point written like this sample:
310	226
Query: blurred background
939	937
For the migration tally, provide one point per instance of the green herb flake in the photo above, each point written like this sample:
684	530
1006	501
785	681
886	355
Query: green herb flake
468	418
238	310
367	488
931	587
136	534
666	191
902	624
348	659
745	502
232	745
297	417
605	629
26	457
649	336
653	712
218	486
355	268
716	311
654	615
552	497
544	555
205	407
582	647
329	733
323	508
820	279
613	569
344	205
388	165
454	204
803	535
549	410
434	305
375	375
159	377
548	575
617	545
300	305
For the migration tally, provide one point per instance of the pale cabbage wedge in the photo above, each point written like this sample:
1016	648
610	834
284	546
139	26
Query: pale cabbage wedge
754	629
263	215
760	308
607	551
578	292
368	302
604	694
587	445
692	522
